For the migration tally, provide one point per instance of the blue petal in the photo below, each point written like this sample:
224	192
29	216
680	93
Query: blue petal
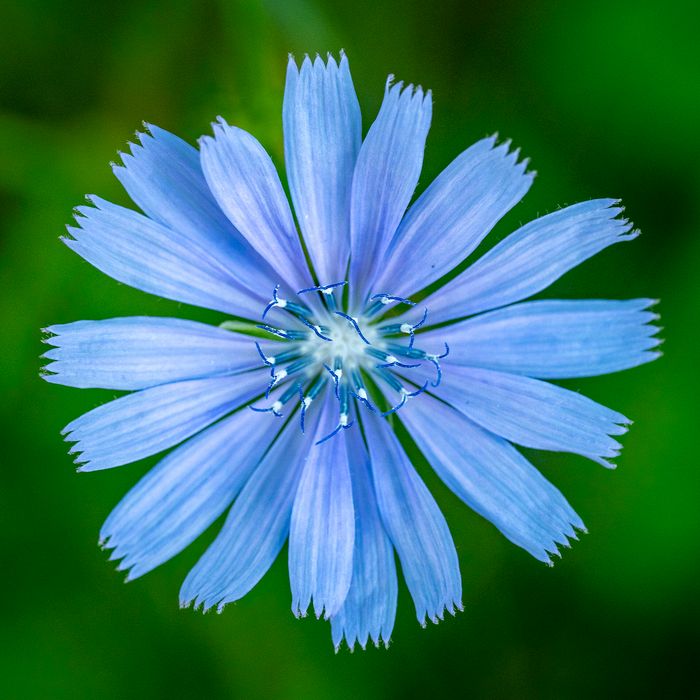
185	492
530	259
534	413
554	339
144	254
322	137
322	531
243	179
492	477
146	422
255	529
141	351
163	176
453	216
369	609
385	178
415	525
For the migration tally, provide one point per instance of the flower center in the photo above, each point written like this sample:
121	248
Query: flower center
363	358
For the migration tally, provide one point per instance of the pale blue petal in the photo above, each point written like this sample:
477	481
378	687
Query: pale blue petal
369	609
144	254
385	178
415	525
146	422
530	259
453	216
185	492
255	529
322	137
322	531
245	183
163	176
492	477
141	351
534	413
553	339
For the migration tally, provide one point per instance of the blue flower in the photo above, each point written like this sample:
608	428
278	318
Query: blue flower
287	421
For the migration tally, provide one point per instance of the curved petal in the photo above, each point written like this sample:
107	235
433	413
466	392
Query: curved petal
185	492
322	137
453	216
256	527
533	413
415	525
245	183
554	339
530	259
147	422
369	609
145	254
322	531
163	176
141	351
385	178
493	478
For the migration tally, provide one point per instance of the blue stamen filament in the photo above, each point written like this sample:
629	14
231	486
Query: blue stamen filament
382	301
355	349
354	323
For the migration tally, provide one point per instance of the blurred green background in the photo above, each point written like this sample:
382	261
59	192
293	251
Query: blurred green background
604	97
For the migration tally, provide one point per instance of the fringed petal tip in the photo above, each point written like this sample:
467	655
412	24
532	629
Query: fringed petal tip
399	90
438	616
317	61
563	541
350	642
510	154
300	609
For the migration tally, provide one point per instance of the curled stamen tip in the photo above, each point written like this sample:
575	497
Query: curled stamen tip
406	328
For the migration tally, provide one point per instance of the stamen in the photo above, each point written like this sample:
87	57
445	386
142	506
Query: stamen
411	330
388	360
353	320
274	409
286	334
296	309
326	289
308	399
276	301
337	375
405	396
276	377
269	361
361	393
435	359
344	423
384	300
318	330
